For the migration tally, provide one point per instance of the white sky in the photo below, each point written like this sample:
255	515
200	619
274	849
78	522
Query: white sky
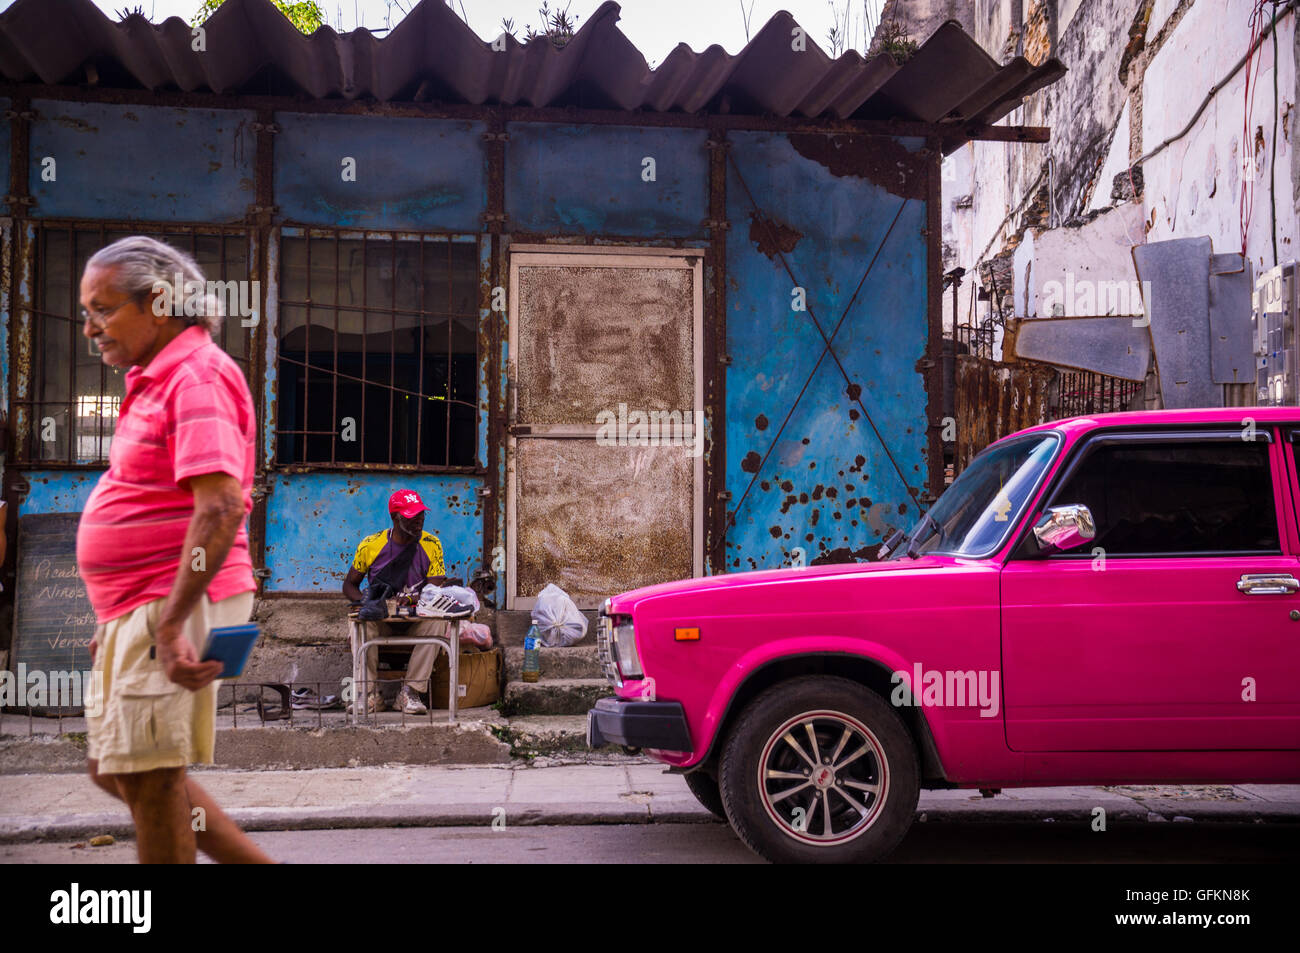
654	26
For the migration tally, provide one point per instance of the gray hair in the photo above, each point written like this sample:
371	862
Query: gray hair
141	264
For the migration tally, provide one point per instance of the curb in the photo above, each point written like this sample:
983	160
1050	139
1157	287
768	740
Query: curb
38	828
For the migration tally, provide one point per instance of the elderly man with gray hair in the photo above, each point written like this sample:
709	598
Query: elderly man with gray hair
162	546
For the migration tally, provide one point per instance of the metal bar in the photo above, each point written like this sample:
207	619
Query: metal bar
715	344
419	363
392	344
446	442
365	360
306	347
934	323
334	388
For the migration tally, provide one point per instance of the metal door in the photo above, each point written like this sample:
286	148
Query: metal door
604	456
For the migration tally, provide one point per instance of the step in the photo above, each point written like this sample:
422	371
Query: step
533	736
575	661
556	696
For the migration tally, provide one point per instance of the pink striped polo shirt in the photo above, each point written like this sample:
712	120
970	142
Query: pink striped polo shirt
186	413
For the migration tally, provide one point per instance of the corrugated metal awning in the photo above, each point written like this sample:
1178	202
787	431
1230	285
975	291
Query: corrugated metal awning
432	56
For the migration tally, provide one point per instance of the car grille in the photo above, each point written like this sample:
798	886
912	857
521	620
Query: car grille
605	649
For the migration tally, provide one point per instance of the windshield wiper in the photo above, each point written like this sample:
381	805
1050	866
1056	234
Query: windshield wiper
920	536
888	546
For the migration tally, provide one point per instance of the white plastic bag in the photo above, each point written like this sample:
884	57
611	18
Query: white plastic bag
558	620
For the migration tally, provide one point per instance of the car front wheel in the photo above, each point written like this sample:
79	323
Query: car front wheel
819	769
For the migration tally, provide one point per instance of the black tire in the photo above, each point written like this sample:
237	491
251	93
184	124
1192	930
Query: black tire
877	773
705	789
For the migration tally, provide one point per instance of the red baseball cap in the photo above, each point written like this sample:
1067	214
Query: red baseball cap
406	502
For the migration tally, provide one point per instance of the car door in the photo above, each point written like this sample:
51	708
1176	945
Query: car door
1172	629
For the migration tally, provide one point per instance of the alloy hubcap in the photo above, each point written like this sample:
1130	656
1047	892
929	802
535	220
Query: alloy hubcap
823	778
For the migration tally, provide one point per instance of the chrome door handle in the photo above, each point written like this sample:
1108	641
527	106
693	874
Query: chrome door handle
1268	584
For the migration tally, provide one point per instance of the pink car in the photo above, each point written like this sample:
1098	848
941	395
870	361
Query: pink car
1101	600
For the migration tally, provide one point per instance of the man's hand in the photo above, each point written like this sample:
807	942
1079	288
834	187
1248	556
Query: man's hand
94	648
181	662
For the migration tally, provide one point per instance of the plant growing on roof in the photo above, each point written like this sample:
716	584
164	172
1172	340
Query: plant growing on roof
556	25
891	39
306	15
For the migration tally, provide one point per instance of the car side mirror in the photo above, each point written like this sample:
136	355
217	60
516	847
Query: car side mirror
1065	527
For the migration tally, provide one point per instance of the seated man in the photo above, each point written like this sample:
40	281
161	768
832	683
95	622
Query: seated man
377	557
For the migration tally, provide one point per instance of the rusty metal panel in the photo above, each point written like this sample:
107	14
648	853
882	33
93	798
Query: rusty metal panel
428	174
590	540
827	487
6	312
590	180
314	522
127	163
596	337
58	491
994	400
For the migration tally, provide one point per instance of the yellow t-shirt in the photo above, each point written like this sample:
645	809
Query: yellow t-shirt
375	553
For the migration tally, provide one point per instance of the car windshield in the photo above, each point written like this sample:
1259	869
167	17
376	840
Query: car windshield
974	515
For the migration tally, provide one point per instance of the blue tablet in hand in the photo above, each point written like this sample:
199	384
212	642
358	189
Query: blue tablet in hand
231	645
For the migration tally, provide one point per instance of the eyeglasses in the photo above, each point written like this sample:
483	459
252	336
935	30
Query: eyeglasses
98	319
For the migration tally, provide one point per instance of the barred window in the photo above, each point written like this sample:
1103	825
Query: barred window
75	396
378	349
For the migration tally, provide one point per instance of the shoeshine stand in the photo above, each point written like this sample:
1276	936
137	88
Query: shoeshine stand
450	643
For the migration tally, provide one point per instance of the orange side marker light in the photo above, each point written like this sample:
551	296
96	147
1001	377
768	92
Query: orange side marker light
687	635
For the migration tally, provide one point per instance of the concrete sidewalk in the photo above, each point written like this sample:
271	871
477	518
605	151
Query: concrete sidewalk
63	806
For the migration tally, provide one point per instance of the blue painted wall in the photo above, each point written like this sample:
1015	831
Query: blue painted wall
58	491
315	521
827	484
827	478
588	180
153	164
424	174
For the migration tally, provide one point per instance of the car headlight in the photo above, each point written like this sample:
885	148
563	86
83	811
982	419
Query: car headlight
629	663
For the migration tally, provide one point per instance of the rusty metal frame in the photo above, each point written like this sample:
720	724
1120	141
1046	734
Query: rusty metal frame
336	235
950	134
715	350
933	361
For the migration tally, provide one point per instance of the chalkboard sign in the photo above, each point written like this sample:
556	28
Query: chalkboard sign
55	622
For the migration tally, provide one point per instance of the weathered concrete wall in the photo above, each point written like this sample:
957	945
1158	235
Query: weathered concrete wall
922	17
1193	187
1139	71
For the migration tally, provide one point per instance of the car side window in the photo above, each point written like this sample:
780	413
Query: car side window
1177	498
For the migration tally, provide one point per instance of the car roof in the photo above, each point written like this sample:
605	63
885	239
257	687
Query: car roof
1236	416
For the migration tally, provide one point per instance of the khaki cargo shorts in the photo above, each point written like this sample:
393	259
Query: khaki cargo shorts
142	721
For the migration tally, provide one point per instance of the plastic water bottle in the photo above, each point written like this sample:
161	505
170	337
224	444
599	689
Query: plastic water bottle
532	656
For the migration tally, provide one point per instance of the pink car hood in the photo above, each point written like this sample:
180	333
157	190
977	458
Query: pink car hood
627	602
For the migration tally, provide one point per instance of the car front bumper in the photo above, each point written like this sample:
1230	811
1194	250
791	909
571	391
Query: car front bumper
638	724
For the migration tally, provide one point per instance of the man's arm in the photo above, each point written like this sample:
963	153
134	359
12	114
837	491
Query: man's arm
218	514
352	584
